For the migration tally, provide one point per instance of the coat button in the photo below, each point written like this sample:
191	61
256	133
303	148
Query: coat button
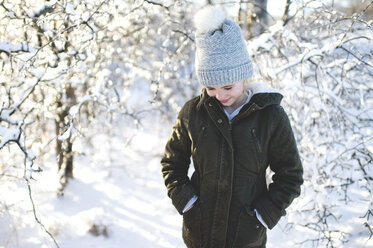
220	120
257	226
210	104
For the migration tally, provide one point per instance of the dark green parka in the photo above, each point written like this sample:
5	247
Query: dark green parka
230	161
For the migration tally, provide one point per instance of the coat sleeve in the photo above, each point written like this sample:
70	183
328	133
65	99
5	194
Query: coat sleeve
285	162
175	164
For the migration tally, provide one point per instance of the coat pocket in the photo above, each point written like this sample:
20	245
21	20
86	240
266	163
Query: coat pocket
200	135
191	231
250	232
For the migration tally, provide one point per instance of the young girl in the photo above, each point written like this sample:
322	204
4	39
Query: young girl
233	131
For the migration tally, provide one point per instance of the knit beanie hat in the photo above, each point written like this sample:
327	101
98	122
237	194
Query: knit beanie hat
221	55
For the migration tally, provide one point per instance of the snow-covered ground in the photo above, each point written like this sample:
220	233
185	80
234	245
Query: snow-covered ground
117	199
121	203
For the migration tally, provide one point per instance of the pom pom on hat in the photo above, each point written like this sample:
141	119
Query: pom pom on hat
208	19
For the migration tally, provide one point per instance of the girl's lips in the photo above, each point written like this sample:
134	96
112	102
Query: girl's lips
224	101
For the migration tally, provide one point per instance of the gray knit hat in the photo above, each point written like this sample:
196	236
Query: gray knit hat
221	55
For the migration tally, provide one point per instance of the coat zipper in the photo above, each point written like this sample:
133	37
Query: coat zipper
231	184
256	140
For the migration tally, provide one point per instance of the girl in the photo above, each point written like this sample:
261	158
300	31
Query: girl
233	131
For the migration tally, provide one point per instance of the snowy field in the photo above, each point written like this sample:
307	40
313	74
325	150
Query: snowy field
117	199
117	204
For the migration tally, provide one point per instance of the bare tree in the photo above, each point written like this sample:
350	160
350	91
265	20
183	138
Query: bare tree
286	15
70	70
323	66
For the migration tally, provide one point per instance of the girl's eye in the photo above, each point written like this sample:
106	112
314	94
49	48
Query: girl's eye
210	89
228	88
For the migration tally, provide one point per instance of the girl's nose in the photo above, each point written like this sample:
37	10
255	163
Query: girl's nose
219	95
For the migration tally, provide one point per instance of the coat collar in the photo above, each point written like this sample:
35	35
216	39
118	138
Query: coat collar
262	96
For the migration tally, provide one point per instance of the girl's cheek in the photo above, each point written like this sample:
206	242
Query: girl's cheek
211	94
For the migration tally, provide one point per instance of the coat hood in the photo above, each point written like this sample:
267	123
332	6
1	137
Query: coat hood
264	96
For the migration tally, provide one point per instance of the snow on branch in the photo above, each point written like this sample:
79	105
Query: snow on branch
9	135
47	7
323	64
10	48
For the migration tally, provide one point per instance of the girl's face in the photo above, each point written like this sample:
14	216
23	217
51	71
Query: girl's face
228	95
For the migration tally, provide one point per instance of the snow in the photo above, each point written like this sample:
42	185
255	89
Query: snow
67	134
126	200
74	110
11	14
264	41
44	7
312	53
39	73
370	148
117	198
9	47
5	115
70	8
85	16
8	134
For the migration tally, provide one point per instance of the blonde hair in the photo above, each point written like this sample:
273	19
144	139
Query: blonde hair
246	82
